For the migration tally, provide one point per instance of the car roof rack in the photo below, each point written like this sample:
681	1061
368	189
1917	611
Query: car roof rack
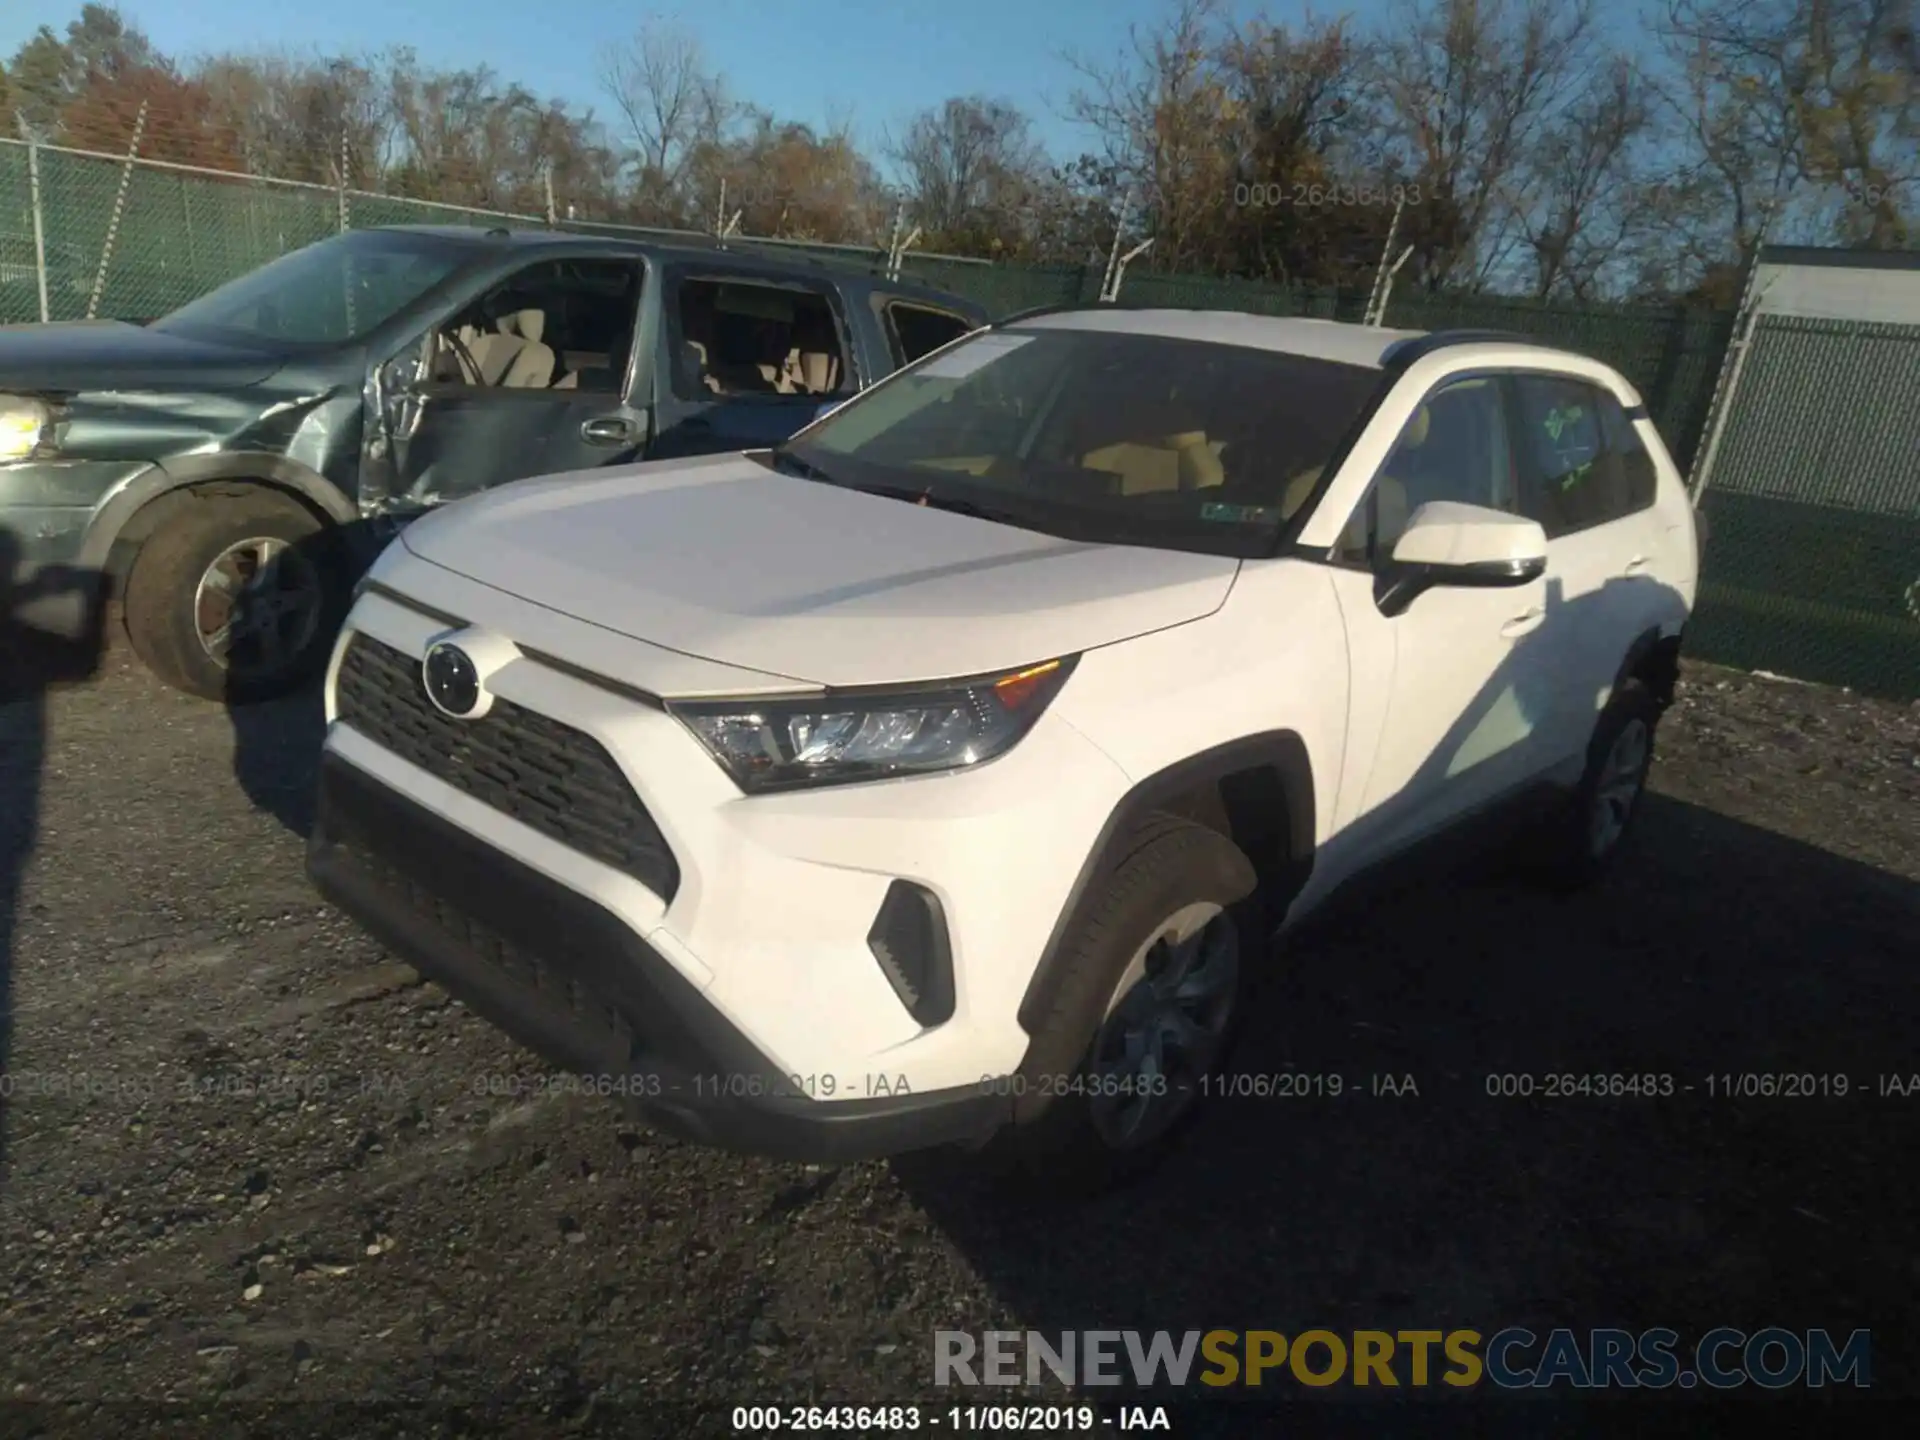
1075	306
1403	353
1397	356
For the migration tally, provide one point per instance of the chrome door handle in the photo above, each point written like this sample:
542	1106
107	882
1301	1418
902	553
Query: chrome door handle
1525	621
608	430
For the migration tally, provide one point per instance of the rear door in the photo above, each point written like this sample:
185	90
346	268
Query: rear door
533	377
1585	476
747	359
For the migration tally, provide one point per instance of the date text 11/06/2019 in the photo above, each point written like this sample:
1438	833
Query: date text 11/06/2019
646	1085
958	1419
1281	1085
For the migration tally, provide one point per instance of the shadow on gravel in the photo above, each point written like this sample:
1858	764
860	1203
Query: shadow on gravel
31	661
276	743
276	754
1715	951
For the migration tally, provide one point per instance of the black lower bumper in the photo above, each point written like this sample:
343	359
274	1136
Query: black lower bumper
570	980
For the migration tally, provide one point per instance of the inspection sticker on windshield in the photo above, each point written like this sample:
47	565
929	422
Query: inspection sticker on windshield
963	360
1239	514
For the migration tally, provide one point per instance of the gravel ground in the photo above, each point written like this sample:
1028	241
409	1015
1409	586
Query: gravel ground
249	1159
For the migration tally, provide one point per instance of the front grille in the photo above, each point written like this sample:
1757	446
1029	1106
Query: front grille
600	1031
546	775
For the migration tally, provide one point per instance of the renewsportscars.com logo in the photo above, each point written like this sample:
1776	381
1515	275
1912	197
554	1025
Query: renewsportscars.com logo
1512	1359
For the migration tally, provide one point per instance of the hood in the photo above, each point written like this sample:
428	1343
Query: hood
724	559
82	355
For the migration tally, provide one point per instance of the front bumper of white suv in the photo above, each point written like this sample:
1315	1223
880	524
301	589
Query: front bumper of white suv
822	974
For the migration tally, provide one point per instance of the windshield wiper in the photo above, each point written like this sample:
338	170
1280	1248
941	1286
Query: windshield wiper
953	504
784	459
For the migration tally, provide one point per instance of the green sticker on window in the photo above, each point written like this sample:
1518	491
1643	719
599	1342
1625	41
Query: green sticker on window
1238	514
1578	456
1560	418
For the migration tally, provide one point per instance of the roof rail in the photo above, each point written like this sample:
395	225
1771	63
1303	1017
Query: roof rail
1079	305
1403	353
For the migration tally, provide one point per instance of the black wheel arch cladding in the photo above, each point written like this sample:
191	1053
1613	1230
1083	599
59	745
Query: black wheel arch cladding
1654	660
1253	776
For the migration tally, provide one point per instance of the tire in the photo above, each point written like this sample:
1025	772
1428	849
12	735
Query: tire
1070	1135
260	545
1589	831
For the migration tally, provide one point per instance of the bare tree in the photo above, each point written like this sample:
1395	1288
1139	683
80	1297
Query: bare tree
672	104
468	138
1594	201
1295	124
1860	115
292	114
967	165
786	179
1157	110
1800	115
1468	86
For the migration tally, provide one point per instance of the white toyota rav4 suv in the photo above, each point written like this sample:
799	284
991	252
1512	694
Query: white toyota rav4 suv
945	773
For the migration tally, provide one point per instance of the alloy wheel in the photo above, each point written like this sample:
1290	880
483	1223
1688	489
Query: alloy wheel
1165	1026
1617	787
258	606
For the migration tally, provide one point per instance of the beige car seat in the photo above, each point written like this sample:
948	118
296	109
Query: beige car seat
451	356
1186	461
812	372
512	357
812	366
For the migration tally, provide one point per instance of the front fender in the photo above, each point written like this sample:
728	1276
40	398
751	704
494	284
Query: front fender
118	508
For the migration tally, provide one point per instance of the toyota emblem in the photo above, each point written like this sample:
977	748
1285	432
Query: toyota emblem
451	680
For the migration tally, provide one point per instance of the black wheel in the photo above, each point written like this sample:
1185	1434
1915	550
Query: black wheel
237	597
1589	830
1156	970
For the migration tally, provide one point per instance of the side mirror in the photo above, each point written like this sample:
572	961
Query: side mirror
1450	544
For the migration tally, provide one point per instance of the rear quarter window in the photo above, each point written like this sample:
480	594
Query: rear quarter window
1577	470
914	330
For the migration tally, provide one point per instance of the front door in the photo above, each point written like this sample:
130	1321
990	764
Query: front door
1447	695
749	361
531	379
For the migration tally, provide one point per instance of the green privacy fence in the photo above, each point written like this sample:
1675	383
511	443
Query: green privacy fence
1814	504
181	231
1801	579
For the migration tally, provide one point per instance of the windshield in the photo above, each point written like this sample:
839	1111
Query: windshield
1102	436
339	290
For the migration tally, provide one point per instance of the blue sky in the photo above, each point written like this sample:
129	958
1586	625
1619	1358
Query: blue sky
874	62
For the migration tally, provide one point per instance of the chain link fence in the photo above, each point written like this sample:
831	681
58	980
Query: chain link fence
134	239
1818	582
1814	508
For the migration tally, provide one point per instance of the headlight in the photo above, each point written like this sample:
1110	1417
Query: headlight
24	425
839	737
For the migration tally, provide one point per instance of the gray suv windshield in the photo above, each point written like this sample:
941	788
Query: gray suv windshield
336	291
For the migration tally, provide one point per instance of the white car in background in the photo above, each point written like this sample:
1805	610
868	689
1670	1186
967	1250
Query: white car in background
943	774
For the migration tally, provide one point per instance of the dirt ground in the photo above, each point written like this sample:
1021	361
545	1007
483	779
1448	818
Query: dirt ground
251	1161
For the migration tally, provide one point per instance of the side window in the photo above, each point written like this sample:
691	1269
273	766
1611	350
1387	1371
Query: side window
1455	447
561	325
1640	479
915	330
740	337
1574	479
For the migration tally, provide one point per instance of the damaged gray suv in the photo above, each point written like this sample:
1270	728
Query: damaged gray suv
226	470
